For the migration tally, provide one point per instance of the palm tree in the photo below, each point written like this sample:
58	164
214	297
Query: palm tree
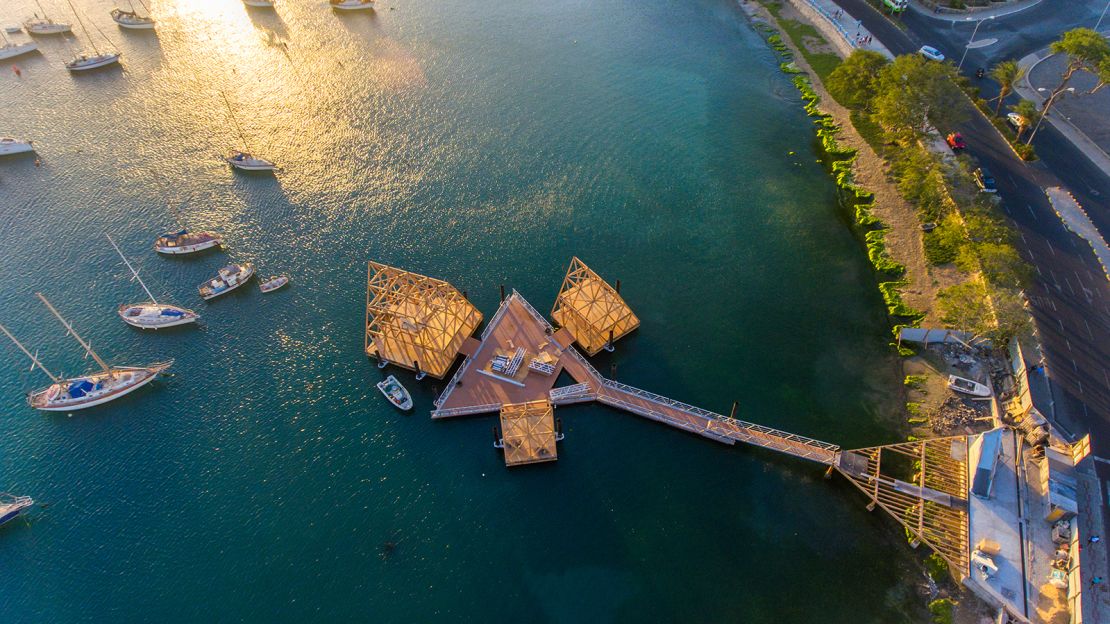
1007	73
1029	114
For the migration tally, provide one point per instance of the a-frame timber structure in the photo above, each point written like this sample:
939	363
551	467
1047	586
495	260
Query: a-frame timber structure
415	321
591	309
528	433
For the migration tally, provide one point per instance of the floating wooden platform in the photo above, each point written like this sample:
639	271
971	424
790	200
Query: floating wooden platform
528	432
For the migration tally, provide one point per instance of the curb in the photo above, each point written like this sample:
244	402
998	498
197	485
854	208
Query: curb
964	14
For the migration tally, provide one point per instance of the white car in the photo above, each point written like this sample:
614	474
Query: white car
1016	121
931	53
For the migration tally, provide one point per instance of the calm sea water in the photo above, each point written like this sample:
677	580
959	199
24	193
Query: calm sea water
484	143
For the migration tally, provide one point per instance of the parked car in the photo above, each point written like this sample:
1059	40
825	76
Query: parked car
1016	121
984	180
956	141
931	53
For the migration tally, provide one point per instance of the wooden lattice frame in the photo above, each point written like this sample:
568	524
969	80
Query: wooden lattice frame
591	309
528	432
415	321
933	509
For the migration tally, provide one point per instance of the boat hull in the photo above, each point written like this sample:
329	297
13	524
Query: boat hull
355	7
47	29
248	269
15	148
249	163
259	4
156	322
76	66
12	51
273	284
136	25
404	401
11	507
186	249
143	377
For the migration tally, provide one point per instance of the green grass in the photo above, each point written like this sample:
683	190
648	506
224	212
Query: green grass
870	131
822	62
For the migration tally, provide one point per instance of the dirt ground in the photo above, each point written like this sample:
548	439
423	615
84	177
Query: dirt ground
903	238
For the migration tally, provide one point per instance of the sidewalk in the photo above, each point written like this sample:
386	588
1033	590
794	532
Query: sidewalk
1065	127
843	30
972	13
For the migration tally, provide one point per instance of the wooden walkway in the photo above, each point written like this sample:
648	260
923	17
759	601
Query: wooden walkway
517	324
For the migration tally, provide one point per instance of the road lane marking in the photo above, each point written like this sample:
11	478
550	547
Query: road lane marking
1031	211
1088	329
1050	248
1068	282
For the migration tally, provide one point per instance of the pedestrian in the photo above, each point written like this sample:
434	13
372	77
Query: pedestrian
1094	539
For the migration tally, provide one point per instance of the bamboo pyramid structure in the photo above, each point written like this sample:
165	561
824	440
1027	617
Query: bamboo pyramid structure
414	321
591	309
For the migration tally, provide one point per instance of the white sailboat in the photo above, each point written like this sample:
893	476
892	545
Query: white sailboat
351	5
86	61
183	241
107	384
244	160
131	19
44	25
9	49
9	146
150	314
259	4
12	506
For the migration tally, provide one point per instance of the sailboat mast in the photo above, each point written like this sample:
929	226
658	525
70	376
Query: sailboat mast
133	271
69	328
83	29
39	5
235	121
34	358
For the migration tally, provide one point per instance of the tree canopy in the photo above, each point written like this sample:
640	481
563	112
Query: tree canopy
913	93
853	82
1086	51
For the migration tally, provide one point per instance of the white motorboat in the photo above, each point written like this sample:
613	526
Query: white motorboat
13	29
84	62
246	162
396	393
150	314
351	5
185	242
275	282
45	26
259	4
9	50
107	384
131	19
967	386
9	146
12	506
227	279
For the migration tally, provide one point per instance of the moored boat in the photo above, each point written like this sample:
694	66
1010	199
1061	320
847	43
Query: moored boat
9	146
150	314
227	279
132	20
13	29
967	386
259	4
397	394
45	26
273	283
70	394
185	242
86	61
11	506
246	162
10	50
351	5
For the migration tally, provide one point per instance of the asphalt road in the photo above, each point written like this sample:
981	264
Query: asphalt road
1070	297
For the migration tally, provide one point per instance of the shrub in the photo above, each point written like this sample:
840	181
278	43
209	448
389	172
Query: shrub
852	83
942	610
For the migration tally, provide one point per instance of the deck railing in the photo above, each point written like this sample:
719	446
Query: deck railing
468	409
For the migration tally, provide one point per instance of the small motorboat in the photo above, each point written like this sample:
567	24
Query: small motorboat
246	162
9	146
351	5
85	62
968	387
131	19
154	315
11	506
227	279
45	26
9	50
275	282
260	4
396	393
13	29
186	242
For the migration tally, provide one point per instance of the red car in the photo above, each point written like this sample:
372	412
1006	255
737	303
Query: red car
956	141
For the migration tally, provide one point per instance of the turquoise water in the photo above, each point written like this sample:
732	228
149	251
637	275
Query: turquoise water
483	144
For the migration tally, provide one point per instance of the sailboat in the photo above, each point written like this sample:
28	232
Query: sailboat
244	160
185	242
86	61
9	49
44	25
9	146
150	314
260	4
12	506
131	19
351	5
107	384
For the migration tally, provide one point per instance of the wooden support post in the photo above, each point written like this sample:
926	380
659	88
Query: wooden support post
732	414
618	288
558	426
496	435
465	297
613	371
502	293
419	373
871	506
829	473
609	345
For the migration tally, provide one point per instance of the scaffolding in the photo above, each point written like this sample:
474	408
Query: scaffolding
591	309
528	432
414	321
931	505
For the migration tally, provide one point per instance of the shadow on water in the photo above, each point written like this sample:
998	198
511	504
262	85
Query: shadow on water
268	21
358	21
